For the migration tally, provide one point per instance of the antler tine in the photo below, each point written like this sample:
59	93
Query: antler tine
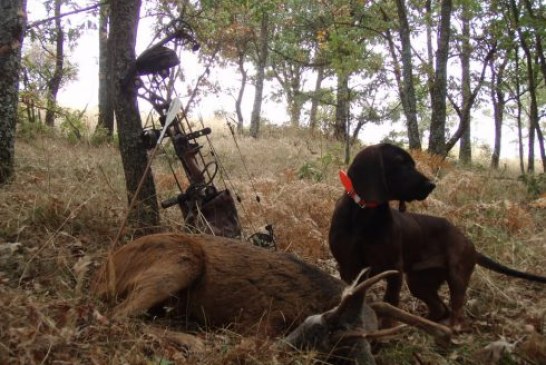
374	279
435	329
359	333
353	289
363	274
360	289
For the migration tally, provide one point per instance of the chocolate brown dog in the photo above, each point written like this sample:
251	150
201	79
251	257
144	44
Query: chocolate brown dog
366	232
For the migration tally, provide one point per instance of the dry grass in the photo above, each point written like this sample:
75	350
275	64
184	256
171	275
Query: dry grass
58	217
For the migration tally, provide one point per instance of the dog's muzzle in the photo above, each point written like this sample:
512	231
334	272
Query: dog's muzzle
426	190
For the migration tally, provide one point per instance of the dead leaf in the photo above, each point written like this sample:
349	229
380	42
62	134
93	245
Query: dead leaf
100	318
184	341
534	348
538	203
9	248
80	269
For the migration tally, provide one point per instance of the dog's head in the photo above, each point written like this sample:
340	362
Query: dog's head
384	172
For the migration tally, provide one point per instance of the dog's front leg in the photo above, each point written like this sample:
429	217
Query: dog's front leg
392	296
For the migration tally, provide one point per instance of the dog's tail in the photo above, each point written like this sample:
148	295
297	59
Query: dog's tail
491	264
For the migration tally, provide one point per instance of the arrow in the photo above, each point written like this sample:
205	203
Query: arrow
174	108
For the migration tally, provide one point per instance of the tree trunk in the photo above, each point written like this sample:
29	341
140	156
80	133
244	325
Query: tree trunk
106	110
288	75
261	64
239	100
55	82
468	95
531	147
499	101
533	106
295	102
542	63
315	101
124	18
518	115
12	30
341	126
438	91
407	90
465	144
468	99
28	102
531	61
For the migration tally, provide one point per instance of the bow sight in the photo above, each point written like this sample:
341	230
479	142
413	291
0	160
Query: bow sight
204	207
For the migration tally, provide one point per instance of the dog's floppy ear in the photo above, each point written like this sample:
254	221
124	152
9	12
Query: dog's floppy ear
367	174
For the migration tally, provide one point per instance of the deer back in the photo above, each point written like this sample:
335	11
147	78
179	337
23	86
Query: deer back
217	281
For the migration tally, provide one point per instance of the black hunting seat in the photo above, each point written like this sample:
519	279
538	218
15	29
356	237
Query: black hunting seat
156	60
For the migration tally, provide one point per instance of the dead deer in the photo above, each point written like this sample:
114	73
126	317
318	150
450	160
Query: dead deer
220	282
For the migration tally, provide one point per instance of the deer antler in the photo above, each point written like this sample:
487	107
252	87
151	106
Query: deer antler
370	335
353	296
363	286
437	330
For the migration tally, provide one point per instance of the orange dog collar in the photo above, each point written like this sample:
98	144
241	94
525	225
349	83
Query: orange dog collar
348	185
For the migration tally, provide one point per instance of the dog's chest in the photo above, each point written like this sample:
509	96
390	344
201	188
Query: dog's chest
378	251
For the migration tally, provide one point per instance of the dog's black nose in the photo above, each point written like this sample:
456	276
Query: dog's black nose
424	190
429	186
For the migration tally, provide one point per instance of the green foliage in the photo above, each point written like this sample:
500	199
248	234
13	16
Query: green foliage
397	138
38	67
535	184
318	169
28	130
100	137
73	125
309	170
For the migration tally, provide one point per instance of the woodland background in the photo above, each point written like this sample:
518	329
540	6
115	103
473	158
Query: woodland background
66	177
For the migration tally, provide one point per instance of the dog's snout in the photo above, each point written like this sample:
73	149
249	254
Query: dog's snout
424	190
429	186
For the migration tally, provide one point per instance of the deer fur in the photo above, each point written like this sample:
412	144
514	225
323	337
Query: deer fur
216	281
220	282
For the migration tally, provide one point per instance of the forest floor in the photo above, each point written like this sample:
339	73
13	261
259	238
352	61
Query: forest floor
61	213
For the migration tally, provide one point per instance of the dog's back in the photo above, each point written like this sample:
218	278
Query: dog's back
360	238
432	242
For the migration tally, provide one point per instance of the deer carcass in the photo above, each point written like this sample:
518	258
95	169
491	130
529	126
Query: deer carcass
219	281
